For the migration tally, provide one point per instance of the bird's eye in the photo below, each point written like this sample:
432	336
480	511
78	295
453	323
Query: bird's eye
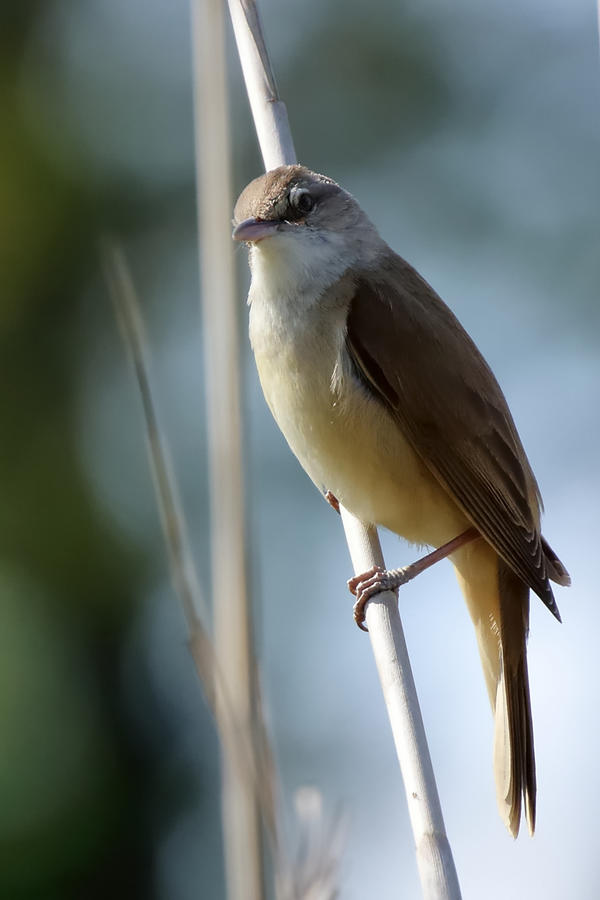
301	200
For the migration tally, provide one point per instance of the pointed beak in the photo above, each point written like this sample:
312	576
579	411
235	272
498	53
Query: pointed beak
254	230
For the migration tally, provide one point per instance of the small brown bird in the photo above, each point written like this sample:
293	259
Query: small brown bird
388	404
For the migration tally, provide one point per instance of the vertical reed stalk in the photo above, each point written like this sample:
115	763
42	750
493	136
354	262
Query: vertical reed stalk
437	872
233	638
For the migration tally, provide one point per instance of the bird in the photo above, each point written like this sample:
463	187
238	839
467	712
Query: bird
390	407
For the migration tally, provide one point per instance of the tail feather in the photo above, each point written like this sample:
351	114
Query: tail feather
498	602
514	758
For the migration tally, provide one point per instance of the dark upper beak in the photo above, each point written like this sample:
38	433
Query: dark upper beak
253	230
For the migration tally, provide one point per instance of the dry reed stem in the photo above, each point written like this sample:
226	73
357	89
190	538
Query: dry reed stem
437	872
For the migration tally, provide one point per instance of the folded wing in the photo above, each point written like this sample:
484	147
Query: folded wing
409	349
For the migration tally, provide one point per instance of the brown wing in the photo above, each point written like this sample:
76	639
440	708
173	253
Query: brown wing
411	351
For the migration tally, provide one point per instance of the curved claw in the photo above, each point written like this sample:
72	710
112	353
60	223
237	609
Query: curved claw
365	586
359	613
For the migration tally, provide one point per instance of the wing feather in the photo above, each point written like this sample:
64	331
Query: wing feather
411	351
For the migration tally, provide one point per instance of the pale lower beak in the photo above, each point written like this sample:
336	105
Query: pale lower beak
253	230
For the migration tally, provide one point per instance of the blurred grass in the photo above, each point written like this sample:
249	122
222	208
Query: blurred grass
75	779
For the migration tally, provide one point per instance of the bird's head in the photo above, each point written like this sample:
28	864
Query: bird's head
306	222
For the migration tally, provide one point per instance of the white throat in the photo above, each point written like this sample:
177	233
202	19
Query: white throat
294	269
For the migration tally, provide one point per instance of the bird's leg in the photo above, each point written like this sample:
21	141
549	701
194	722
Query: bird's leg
367	584
333	501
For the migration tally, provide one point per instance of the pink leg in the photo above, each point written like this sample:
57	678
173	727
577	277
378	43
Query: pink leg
333	501
374	581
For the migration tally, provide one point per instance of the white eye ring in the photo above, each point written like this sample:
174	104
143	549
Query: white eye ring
301	200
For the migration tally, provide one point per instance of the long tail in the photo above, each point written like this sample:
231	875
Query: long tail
498	602
514	758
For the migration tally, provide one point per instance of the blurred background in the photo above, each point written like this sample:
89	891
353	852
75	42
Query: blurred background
471	136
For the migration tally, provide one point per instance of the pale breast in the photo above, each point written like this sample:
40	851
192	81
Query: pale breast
343	437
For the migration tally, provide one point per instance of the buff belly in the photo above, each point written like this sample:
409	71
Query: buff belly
346	440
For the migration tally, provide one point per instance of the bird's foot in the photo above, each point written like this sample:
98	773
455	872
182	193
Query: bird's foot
377	579
372	582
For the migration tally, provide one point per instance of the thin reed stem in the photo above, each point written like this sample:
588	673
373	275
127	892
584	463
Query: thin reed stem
437	872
